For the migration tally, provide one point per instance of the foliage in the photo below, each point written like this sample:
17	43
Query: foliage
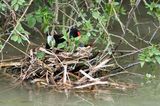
70	44
40	55
99	19
20	34
150	55
3	7
43	13
43	16
149	78
16	4
154	9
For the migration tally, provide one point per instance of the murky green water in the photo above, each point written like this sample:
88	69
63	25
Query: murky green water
20	96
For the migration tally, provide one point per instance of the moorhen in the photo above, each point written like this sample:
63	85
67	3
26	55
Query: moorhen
58	38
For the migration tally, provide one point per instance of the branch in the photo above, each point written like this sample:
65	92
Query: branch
18	22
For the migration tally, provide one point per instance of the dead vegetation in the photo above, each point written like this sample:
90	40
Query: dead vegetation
65	70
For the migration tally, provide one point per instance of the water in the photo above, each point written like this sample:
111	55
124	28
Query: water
20	96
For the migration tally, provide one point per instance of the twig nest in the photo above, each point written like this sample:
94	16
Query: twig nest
84	51
66	70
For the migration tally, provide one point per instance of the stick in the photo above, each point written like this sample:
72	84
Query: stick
88	76
10	64
95	69
65	74
96	83
118	69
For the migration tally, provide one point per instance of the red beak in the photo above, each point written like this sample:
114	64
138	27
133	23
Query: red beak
78	33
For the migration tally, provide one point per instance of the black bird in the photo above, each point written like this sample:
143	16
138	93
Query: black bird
58	38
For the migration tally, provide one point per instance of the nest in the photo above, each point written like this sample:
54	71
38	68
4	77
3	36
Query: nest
66	70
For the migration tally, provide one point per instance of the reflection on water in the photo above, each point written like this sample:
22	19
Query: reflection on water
20	96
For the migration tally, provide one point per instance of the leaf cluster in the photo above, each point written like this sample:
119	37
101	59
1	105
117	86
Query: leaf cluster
150	55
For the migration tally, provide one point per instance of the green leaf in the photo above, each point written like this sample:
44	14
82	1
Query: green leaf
98	1
13	2
38	18
14	37
88	26
19	40
26	33
16	7
96	14
79	24
40	55
62	45
156	51
142	63
24	38
46	28
64	32
20	34
31	20
148	59
157	59
2	7
20	2
21	30
84	39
